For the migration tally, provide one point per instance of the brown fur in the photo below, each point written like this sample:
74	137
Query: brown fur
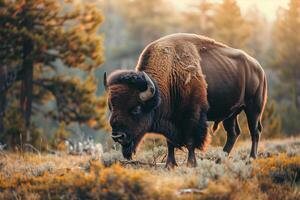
197	78
168	60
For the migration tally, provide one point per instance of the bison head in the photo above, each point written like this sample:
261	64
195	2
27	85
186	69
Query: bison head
132	99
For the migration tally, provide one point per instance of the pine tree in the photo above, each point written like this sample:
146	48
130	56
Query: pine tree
286	42
286	62
151	21
199	18
40	39
272	123
258	42
229	25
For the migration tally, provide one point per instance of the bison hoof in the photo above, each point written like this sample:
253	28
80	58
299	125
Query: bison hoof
192	163
253	155
171	165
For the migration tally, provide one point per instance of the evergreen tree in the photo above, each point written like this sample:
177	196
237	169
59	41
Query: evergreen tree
117	43
146	21
286	45
199	18
229	25
258	42
271	121
286	62
39	40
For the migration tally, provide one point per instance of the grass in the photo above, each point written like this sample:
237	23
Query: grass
274	175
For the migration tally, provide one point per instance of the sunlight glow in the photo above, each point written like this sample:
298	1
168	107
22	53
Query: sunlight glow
267	7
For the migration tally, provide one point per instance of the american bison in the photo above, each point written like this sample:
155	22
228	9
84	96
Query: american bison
181	81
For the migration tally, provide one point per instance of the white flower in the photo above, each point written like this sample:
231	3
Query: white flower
80	148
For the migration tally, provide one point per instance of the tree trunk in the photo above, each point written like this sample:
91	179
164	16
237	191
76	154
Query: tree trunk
3	72
7	79
2	110
297	97
26	85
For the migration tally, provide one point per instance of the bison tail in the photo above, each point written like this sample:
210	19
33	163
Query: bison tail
264	93
215	127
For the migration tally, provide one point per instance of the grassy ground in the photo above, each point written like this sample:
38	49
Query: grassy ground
274	175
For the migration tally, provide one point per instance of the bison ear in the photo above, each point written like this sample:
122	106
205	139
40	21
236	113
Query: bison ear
152	103
105	81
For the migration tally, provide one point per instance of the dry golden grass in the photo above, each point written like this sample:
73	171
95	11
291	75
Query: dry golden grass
274	175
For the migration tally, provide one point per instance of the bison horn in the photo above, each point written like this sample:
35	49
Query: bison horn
105	80
117	136
150	91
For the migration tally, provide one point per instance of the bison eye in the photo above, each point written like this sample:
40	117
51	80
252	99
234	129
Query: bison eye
136	110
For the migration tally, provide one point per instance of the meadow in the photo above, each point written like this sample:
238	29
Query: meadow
274	175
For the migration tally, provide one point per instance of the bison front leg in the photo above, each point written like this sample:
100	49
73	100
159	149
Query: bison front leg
192	162
198	137
171	162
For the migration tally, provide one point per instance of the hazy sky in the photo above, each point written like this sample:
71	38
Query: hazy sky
267	7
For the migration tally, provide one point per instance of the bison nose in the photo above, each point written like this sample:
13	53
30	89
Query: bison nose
118	136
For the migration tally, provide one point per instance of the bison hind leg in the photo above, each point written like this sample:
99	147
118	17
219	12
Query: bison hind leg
255	128
254	110
232	128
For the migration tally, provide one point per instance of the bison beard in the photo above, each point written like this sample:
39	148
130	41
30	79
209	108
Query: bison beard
128	150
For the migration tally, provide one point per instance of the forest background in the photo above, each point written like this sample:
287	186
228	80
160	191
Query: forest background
53	54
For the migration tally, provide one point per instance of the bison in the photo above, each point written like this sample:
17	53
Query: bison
181	81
